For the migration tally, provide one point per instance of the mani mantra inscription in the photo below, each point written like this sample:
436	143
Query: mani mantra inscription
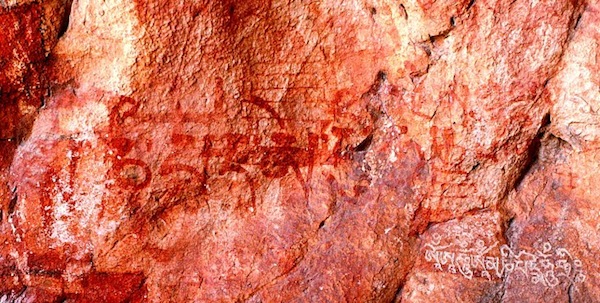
545	266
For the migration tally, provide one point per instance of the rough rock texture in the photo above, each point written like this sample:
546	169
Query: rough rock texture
299	151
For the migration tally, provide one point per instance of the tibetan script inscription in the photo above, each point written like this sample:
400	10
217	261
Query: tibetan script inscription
545	265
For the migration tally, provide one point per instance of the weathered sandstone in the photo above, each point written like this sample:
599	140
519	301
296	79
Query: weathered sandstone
299	151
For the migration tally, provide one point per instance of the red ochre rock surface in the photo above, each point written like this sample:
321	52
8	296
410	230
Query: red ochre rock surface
299	151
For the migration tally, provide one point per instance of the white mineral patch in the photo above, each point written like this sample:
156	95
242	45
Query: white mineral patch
102	37
80	122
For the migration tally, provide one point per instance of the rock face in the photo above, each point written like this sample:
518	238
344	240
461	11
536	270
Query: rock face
297	151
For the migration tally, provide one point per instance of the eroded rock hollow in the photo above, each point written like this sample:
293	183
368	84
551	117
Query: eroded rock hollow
299	151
